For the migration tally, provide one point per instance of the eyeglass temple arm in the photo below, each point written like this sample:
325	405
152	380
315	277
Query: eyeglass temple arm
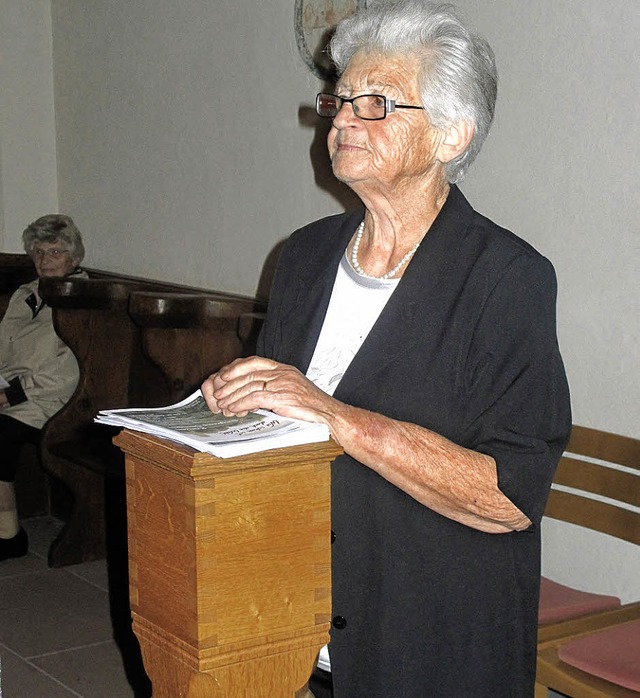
392	106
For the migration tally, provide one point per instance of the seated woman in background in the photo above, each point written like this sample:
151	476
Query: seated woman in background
41	371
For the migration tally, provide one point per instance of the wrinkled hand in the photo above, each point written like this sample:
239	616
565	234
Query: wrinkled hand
257	383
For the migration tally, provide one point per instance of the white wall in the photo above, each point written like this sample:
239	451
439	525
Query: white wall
28	187
179	138
182	155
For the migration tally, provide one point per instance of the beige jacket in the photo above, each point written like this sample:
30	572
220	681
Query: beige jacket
31	351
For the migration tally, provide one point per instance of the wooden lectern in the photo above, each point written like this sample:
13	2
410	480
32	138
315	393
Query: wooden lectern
229	566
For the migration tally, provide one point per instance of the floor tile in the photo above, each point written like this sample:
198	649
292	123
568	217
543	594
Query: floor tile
93	672
50	611
57	626
20	679
21	565
93	572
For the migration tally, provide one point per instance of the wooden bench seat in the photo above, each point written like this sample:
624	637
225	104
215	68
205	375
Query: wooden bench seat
189	336
596	486
90	316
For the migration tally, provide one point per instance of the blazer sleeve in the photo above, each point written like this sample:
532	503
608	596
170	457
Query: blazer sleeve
269	339
284	295
518	397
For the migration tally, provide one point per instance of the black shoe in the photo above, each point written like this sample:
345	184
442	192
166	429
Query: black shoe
14	547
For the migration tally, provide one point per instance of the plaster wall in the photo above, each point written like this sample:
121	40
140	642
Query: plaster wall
28	179
182	135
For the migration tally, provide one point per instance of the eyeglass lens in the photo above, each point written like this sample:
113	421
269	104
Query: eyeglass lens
370	107
52	252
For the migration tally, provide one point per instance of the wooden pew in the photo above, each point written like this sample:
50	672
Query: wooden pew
249	327
189	336
103	320
90	316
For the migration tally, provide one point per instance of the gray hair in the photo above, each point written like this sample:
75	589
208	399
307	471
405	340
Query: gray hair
458	79
52	228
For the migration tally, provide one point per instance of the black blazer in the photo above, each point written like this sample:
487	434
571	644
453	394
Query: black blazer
466	346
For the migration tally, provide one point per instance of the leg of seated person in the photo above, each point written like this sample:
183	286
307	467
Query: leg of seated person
13	434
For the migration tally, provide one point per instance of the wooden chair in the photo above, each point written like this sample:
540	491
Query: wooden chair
588	468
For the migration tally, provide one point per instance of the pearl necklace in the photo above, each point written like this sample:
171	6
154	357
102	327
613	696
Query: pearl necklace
390	274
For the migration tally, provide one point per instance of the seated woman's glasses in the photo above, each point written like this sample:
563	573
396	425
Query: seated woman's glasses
53	252
368	107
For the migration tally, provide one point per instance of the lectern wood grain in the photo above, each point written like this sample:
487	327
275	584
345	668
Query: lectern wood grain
230	566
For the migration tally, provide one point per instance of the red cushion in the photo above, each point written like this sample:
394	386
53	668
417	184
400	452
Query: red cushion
612	654
559	602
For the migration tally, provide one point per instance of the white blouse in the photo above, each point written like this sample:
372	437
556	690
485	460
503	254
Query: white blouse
355	305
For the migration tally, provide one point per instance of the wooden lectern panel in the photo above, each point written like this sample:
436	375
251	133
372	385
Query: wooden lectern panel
230	566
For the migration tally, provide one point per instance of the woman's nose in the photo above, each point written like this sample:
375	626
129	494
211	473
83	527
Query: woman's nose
346	116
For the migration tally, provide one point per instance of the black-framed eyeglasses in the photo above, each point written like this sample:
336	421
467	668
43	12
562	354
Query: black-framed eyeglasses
367	107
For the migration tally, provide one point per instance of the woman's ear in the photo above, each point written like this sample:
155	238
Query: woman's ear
455	141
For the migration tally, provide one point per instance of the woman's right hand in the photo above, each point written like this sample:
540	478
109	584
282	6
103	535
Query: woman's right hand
257	383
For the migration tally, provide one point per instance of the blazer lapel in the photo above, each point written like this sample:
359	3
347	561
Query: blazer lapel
305	316
420	287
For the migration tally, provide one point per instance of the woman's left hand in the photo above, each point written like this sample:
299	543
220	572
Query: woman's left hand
257	383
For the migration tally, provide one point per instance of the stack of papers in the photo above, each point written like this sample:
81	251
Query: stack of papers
192	423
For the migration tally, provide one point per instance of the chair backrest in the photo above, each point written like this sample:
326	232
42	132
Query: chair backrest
602	471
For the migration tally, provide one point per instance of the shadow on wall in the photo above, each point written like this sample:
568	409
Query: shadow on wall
320	162
324	179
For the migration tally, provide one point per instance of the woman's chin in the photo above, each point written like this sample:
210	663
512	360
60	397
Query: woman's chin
349	175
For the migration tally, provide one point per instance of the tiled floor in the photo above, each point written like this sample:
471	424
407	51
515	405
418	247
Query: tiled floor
57	628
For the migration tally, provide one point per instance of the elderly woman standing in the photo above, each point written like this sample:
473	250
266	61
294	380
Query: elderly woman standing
424	336
40	369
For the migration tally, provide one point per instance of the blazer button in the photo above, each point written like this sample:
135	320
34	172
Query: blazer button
333	536
339	622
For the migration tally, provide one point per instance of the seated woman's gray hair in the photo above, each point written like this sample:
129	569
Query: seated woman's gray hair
52	228
458	79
